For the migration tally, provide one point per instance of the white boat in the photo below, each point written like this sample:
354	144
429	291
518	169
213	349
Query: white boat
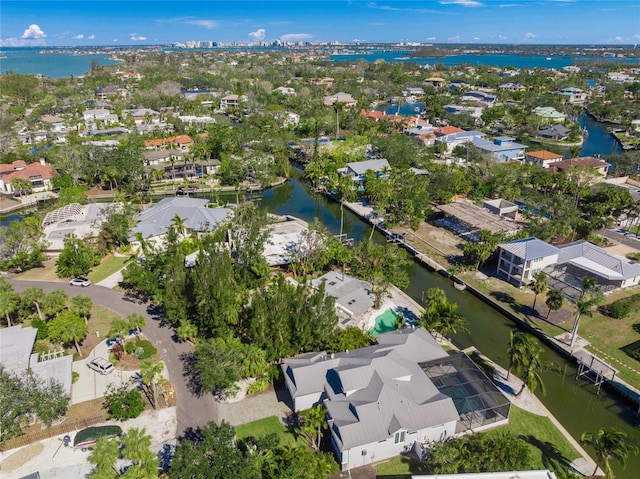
548	58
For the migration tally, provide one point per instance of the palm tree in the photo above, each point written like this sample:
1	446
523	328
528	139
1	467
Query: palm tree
75	329
555	300
34	295
314	421
530	374
10	300
538	286
136	446
589	299
609	444
151	371
145	244
178	224
81	305
451	321
104	455
136	321
521	345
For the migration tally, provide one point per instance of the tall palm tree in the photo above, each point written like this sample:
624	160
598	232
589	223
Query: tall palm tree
609	444
555	300
538	286
34	295
451	320
589	299
75	330
145	244
530	374
521	345
10	300
151	371
314	421
178	224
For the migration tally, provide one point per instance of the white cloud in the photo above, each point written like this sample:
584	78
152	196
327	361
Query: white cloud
258	34
91	37
375	6
79	36
33	33
620	39
295	37
455	39
502	37
208	24
464	3
529	36
510	5
430	38
476	39
137	38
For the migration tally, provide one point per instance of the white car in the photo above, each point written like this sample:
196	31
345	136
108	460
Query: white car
100	365
84	282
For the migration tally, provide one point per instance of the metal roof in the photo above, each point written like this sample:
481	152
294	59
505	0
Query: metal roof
529	248
595	260
361	167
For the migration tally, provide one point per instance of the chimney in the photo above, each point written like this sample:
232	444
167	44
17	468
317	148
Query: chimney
42	161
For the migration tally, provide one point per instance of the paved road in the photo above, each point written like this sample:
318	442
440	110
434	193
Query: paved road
192	411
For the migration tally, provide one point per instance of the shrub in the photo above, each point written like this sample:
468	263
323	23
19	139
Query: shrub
123	404
74	377
259	385
620	309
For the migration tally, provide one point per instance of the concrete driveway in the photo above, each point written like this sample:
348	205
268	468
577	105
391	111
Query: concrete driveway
192	411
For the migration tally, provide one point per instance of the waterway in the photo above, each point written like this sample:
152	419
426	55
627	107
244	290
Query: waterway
598	141
573	402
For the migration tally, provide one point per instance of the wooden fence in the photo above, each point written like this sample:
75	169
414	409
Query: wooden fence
64	428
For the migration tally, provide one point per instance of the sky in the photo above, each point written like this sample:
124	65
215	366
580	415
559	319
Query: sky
147	22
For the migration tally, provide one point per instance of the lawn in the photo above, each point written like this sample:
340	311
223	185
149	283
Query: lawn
109	265
606	335
263	427
549	448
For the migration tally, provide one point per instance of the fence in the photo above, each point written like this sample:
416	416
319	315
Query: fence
52	431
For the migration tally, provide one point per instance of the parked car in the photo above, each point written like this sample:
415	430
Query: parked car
84	282
100	365
88	437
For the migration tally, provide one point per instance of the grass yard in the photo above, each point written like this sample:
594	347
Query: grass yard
266	426
549	448
109	265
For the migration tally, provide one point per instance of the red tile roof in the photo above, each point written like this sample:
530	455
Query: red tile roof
180	140
448	130
34	169
16	165
543	155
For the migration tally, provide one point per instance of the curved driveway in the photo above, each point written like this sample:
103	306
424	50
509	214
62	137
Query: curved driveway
192	411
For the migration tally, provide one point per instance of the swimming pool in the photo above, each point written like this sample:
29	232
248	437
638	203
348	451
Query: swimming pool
385	322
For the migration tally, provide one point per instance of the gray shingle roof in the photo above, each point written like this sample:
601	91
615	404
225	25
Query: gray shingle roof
157	219
361	167
529	248
375	391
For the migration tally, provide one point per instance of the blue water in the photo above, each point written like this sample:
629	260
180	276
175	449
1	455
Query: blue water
496	59
27	61
402	109
599	141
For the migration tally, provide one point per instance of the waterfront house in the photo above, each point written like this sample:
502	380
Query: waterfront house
582	259
586	163
435	82
154	222
554	132
574	95
502	149
542	158
353	297
474	111
341	97
520	259
39	174
285	90
455	139
479	96
231	101
413	91
182	142
512	87
397	395
357	169
83	221
549	113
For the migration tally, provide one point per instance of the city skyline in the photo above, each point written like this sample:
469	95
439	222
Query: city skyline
91	22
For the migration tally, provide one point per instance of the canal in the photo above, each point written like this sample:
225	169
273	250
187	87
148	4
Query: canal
573	402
